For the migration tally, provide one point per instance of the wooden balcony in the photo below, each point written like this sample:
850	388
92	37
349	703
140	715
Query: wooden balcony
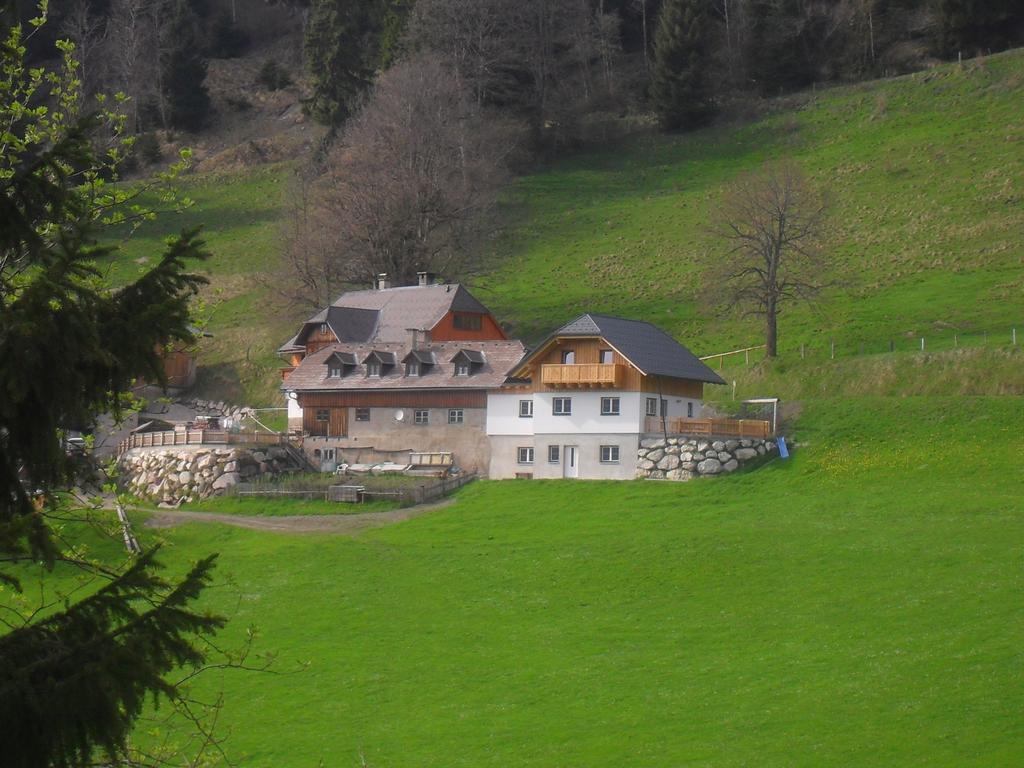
710	427
582	375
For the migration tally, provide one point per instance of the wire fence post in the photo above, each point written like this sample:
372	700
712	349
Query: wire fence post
832	343
922	343
801	351
956	341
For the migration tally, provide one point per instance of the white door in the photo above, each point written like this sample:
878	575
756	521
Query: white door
570	465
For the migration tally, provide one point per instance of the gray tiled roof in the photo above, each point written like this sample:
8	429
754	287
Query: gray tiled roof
499	358
645	345
387	315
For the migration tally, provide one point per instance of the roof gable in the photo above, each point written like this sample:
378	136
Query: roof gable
647	347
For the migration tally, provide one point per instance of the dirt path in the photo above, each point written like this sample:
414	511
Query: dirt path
344	524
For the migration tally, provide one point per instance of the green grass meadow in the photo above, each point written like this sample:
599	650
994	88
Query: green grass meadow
925	174
859	604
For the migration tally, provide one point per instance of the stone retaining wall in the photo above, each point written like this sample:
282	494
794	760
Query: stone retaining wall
171	475
684	458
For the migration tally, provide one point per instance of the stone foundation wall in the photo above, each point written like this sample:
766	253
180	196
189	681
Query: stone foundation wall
684	458
171	475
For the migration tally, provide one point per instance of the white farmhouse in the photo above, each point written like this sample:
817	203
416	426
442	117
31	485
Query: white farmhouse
581	402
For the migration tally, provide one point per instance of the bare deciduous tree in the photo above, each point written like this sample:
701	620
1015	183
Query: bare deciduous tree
87	31
407	188
772	222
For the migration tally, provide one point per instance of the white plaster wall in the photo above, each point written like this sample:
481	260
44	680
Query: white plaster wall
503	415
586	415
504	463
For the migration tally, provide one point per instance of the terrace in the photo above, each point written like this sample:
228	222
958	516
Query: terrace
757	428
583	375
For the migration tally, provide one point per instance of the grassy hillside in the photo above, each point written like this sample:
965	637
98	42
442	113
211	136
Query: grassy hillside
857	605
926	173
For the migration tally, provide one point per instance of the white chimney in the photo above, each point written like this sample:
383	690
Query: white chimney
425	278
382	281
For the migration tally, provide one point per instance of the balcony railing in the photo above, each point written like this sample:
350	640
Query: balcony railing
710	427
582	375
198	437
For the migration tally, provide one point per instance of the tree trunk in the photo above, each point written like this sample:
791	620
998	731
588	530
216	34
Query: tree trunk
771	330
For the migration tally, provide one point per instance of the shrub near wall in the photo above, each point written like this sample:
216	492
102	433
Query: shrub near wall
684	458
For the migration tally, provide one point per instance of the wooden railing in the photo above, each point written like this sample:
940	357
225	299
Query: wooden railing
197	437
582	375
710	427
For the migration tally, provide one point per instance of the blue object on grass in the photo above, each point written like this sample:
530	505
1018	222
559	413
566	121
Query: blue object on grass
783	450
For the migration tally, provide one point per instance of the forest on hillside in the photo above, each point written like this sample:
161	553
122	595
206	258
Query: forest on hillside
429	107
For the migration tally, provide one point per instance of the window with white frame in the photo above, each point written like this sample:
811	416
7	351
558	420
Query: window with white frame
568	357
421	416
554	454
373	369
526	409
609	406
609	454
689	410
334	370
412	369
652	406
362	414
462	368
455	416
607	357
561	406
524	455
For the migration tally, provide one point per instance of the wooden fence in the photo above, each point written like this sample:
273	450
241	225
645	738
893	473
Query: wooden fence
198	437
355	493
710	427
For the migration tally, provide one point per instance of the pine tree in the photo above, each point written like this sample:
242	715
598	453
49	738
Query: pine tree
973	26
74	678
681	77
184	72
346	43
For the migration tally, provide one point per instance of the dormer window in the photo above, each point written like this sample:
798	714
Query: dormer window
468	361
340	364
419	362
379	363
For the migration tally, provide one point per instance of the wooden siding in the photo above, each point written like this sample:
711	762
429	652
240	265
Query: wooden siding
318	340
445	329
430	398
335	426
671	386
587	355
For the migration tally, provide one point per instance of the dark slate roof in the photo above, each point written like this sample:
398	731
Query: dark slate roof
473	355
352	324
645	345
386	316
422	356
345	358
385	357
